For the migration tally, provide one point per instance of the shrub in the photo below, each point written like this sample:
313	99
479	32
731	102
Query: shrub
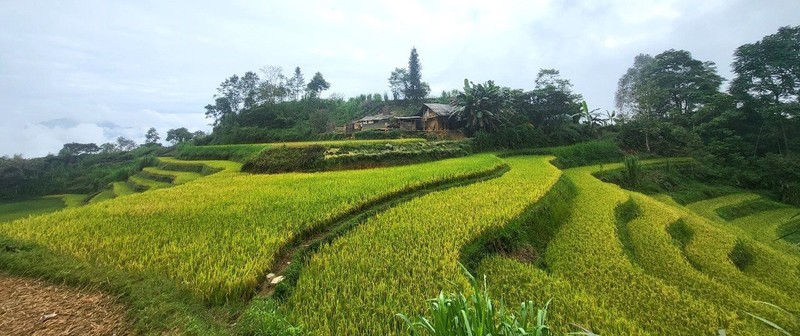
286	159
519	136
586	153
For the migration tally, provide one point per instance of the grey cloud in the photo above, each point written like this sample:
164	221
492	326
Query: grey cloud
156	64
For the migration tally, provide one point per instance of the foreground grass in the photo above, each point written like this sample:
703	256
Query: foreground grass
410	252
217	236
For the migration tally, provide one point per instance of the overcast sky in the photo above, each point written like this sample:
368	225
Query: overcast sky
92	70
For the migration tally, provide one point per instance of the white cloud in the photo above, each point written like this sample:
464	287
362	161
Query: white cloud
154	63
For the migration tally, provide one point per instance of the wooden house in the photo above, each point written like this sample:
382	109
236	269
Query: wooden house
373	122
436	117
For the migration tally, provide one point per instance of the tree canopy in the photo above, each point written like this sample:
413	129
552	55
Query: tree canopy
416	89
317	85
670	85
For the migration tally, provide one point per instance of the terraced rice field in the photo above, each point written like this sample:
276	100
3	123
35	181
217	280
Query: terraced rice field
16	210
657	270
410	252
617	263
218	237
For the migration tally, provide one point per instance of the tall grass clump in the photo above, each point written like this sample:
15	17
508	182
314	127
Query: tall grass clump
633	169
477	314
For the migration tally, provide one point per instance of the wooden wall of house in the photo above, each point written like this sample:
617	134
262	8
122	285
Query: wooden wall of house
436	124
373	126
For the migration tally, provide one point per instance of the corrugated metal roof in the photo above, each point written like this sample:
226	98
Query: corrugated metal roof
442	110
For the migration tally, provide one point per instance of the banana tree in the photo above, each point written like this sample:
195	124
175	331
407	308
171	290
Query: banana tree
590	117
481	107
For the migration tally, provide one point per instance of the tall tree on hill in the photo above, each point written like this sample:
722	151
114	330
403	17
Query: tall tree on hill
233	94
179	135
767	83
124	144
398	83
769	70
552	103
672	85
151	137
227	101
629	86
417	89
317	85
248	88
273	87
297	84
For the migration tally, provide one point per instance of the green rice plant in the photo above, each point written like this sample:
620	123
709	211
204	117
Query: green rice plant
670	284
747	208
357	283
583	255
103	195
633	169
141	182
461	314
769	275
122	189
71	200
773	325
217	235
171	176
789	230
15	210
767	227
570	307
708	208
658	237
747	241
203	167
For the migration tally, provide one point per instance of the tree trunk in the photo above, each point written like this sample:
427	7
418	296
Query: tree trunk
785	140
758	139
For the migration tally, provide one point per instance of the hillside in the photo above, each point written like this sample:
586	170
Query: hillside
192	247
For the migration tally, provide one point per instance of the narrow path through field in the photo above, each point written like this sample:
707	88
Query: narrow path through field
301	249
397	259
34	307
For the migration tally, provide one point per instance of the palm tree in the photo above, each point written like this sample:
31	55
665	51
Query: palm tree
480	107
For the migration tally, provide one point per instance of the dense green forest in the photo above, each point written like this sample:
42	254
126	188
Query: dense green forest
669	104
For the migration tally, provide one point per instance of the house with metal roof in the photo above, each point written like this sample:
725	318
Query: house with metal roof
436	117
373	122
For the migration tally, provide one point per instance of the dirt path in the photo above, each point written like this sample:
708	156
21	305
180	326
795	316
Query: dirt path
34	307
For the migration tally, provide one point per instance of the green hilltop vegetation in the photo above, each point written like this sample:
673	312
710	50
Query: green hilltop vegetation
528	213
